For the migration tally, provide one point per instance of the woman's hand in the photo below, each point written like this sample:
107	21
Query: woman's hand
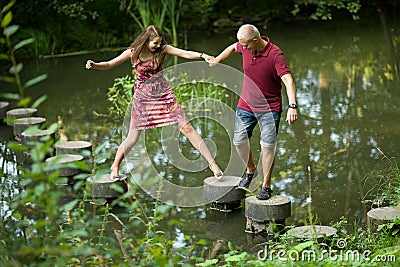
90	64
212	62
208	58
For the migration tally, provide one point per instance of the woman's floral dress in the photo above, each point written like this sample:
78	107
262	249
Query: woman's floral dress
154	102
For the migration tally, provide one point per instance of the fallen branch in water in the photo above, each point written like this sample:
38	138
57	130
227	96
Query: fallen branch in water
84	52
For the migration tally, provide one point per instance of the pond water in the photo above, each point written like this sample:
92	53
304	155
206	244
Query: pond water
348	100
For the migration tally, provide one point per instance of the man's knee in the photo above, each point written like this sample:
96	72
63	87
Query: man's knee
242	147
268	145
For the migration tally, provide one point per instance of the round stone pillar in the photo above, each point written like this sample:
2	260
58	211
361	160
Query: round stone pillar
101	186
266	215
18	113
222	193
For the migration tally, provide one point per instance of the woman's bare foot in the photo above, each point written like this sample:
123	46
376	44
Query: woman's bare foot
114	173
216	170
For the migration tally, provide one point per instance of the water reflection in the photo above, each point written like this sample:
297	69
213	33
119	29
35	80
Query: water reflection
348	99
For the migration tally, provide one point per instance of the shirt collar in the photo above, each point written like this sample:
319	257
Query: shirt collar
267	48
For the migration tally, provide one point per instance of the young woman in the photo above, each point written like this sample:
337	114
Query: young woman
154	102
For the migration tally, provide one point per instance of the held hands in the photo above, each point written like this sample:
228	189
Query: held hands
212	62
207	58
90	64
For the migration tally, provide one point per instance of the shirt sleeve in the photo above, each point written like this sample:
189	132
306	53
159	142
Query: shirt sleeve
281	65
239	48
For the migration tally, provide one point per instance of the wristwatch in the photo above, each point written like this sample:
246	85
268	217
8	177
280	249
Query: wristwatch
293	106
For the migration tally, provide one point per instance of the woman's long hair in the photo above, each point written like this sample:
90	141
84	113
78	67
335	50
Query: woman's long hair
142	41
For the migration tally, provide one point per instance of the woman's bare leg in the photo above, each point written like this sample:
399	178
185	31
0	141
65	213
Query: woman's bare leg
198	143
123	149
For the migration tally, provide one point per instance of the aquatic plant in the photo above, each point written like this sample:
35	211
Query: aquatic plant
386	185
164	14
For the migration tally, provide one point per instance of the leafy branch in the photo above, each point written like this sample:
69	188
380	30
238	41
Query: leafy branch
13	76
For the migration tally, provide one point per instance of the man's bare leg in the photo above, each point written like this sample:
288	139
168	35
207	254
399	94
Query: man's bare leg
246	155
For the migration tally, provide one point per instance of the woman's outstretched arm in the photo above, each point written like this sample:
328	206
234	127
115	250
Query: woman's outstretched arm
186	53
106	65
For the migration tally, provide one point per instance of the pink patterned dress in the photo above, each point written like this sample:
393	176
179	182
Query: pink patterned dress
154	102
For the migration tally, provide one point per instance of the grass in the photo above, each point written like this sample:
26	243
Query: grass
386	189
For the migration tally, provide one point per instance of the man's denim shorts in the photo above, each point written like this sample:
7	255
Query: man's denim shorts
245	123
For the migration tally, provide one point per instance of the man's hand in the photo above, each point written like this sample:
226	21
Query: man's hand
212	62
208	58
291	116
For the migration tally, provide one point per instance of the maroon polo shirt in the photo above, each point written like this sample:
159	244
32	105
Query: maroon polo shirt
262	84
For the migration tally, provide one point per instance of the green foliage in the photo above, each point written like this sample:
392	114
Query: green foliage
74	10
15	68
386	189
45	224
324	9
255	12
120	95
53	224
45	43
197	14
164	14
146	12
65	26
201	95
102	23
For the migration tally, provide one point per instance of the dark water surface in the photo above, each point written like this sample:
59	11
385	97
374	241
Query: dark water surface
348	98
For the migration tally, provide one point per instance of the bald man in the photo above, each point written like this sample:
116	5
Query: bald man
265	68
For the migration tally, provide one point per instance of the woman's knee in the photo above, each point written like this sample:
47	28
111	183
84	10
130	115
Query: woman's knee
186	129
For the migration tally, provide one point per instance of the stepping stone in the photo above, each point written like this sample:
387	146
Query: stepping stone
73	147
18	113
82	148
318	232
275	208
222	193
3	110
266	215
20	125
63	164
378	216
101	186
36	135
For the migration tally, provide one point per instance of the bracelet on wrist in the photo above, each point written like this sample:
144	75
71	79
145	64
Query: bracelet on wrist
201	55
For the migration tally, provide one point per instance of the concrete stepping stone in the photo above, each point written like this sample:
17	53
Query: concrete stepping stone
222	193
82	148
101	186
63	164
36	135
3	109
318	232
20	125
378	216
266	215
73	147
18	113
